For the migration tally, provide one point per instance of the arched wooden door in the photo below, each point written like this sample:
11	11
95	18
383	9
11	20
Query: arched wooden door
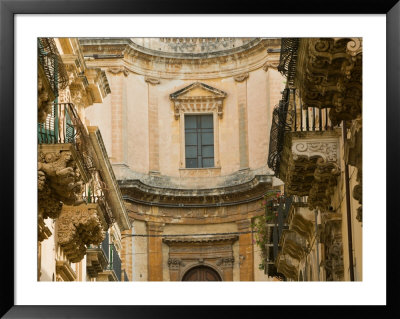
201	273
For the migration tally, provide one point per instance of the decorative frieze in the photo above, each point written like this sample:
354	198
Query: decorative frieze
78	227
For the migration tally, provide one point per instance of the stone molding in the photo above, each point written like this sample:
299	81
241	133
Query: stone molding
155	227
244	225
210	100
79	227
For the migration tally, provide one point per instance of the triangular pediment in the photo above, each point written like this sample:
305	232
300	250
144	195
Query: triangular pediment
197	89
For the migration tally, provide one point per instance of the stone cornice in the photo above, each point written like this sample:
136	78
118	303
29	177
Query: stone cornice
200	239
114	194
178	68
137	191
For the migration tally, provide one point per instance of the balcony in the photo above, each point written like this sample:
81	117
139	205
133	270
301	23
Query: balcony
65	160
293	241
304	150
97	257
113	270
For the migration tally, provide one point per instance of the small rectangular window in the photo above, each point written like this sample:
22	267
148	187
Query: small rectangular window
199	141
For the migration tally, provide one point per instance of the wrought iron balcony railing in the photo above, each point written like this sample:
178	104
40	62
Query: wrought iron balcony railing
115	262
277	134
288	58
52	64
291	116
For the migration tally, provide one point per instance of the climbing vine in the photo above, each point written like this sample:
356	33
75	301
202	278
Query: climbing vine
259	224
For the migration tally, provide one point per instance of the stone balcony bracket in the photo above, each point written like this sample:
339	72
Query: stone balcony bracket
311	165
79	227
61	176
287	265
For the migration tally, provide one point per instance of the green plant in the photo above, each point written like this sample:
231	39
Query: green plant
260	228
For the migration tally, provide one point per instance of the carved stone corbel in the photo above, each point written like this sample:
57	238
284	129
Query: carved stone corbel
270	65
312	170
241	77
59	181
353	157
45	96
118	70
152	80
332	240
78	227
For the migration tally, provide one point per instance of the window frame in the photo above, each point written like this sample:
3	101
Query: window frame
214	114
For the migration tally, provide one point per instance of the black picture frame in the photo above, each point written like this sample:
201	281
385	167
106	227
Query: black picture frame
8	10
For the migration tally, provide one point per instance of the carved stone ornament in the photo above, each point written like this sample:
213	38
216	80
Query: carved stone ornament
78	227
332	240
312	170
288	266
329	75
270	65
118	70
45	96
353	156
227	262
241	77
175	263
59	181
198	97
152	80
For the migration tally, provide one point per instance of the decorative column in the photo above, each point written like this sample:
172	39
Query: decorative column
242	109
154	253
246	255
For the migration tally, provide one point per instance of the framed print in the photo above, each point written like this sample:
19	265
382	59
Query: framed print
172	145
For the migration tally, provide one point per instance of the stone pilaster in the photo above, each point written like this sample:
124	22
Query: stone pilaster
154	253
243	129
116	83
154	163
126	255
246	254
